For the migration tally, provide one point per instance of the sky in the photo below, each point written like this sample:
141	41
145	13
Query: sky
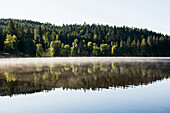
151	14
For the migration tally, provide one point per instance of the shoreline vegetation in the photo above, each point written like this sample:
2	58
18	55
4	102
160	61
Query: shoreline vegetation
25	38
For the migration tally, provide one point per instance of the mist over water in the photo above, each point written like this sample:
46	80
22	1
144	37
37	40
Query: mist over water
80	73
91	84
61	60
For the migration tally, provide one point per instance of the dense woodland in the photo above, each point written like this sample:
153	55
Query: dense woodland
29	38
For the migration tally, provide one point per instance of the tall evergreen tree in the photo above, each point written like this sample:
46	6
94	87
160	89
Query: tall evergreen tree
11	28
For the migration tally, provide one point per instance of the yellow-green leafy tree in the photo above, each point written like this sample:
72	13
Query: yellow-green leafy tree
11	44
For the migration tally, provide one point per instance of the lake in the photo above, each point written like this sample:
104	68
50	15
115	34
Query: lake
85	85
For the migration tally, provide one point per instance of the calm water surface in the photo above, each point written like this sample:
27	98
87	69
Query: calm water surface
85	85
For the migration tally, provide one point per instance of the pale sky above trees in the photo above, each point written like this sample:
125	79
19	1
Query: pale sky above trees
151	14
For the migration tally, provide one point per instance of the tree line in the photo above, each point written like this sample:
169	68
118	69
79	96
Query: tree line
29	38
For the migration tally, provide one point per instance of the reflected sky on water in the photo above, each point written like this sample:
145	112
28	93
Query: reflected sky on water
86	87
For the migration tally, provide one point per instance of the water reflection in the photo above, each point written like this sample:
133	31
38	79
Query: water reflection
35	78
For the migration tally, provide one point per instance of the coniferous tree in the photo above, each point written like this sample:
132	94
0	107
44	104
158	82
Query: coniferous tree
2	39
11	28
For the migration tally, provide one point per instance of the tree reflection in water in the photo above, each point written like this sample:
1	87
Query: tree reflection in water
36	78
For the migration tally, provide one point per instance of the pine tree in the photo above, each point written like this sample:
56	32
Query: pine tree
11	28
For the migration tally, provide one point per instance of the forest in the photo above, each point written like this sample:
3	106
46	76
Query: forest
26	38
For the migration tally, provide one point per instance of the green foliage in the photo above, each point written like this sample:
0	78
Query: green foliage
114	50
90	48
39	50
81	40
96	49
143	47
74	48
11	44
66	51
105	49
2	39
11	28
82	48
55	48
